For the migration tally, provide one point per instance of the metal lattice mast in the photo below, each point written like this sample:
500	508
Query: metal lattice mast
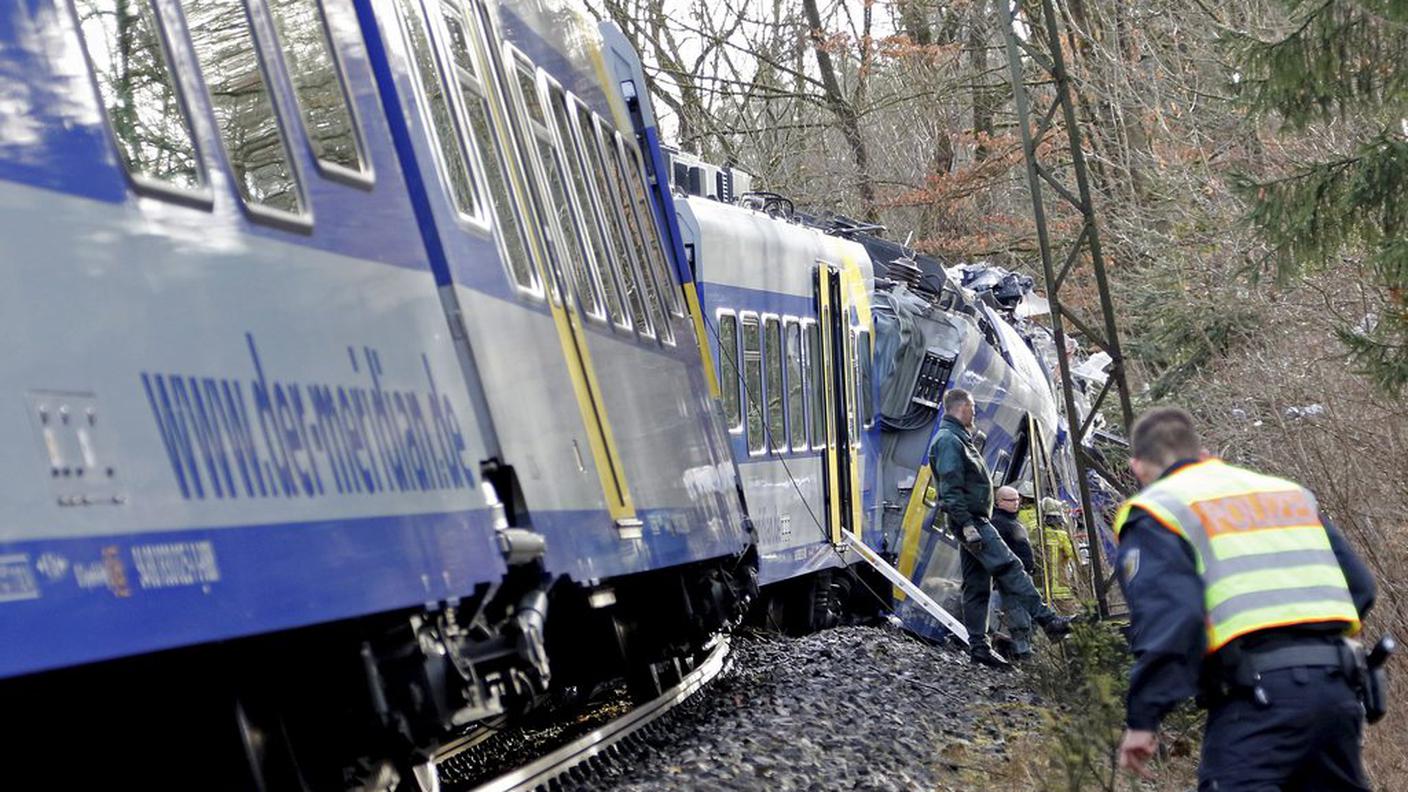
1025	45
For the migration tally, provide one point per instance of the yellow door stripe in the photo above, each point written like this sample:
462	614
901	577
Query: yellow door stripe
854	294
696	313
912	524
587	391
833	479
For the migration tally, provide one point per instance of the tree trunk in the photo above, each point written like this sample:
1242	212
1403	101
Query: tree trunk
846	117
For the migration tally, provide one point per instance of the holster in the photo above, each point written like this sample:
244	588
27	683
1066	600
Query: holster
1373	689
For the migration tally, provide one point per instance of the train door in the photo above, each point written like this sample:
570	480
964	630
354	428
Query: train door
840	413
574	291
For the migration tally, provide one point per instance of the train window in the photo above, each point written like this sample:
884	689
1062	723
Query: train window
796	409
459	42
664	272
313	68
132	68
999	470
561	116
620	263
818	382
560	205
615	170
242	105
772	357
563	227
866	403
753	384
728	370
474	98
527	84
627	251
453	165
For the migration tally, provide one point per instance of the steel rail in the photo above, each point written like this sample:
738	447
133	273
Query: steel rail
542	770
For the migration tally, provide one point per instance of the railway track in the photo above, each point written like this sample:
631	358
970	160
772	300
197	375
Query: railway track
542	771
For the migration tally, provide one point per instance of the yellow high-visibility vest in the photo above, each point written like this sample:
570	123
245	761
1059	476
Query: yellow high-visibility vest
1260	548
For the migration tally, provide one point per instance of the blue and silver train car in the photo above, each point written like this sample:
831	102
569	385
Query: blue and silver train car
789	312
541	233
309	303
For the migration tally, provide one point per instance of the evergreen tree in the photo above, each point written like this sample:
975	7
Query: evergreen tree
1343	63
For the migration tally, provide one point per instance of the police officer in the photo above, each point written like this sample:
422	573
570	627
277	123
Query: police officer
965	495
1239	592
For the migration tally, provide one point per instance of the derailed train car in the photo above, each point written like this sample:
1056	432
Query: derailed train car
790	323
969	327
352	396
923	332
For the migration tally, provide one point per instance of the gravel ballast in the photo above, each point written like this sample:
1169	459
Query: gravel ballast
849	708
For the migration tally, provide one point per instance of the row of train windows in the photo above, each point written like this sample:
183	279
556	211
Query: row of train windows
592	226
577	178
125	46
779	401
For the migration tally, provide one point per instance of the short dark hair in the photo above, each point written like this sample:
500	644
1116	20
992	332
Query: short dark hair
1164	435
954	398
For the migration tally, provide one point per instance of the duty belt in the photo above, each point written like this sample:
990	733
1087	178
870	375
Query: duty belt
1296	657
1364	672
1254	664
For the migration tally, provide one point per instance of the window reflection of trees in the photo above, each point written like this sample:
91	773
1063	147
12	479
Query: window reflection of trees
241	103
577	170
753	384
152	132
613	222
728	369
772	356
795	404
304	42
649	294
456	168
474	94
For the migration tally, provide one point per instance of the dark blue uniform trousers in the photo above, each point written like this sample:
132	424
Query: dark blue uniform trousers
991	560
1307	738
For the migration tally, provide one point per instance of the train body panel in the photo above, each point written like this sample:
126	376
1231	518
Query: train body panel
222	420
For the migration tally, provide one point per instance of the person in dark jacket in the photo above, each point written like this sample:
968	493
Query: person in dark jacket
1006	504
966	498
1265	654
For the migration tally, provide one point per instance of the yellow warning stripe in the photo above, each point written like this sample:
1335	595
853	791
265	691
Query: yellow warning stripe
912	524
706	355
